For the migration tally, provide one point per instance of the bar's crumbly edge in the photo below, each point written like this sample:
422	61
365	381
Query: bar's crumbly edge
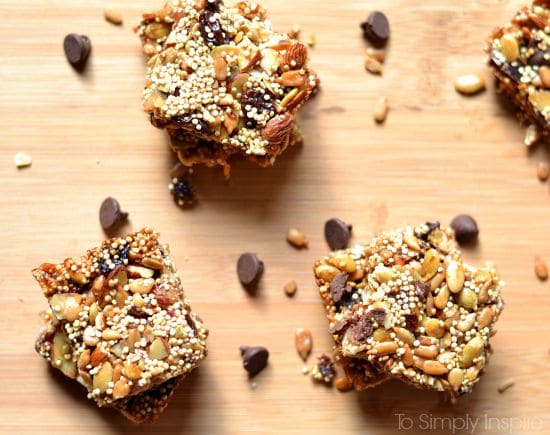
409	306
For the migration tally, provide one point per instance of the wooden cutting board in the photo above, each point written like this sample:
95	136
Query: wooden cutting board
438	154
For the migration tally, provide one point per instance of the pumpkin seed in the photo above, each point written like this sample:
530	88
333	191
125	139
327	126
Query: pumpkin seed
430	264
485	318
467	299
455	277
442	297
455	378
472	350
434	328
435	368
103	377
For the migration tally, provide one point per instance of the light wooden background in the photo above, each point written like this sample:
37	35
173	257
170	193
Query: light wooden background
437	155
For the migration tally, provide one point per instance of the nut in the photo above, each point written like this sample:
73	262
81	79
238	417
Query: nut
427	352
110	334
159	349
385	348
455	378
296	238
230	122
326	272
295	56
541	100
372	65
153	263
84	359
508	383
469	84
292	79
435	368
430	264
467	299
381	109
404	335
132	371
455	276
407	357
472	349
467	323
22	160
344	262
133	337
103	377
141	285
277	130
437	280
139	271
270	60
157	30
113	16
544	73
509	47
434	328
290	288
117	372
304	342
121	389
441	299
342	383
541	269
377	54
61	355
220	68
89	336
98	357
543	171
485	318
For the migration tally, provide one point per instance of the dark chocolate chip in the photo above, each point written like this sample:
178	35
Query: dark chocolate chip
337	233
378	315
537	58
362	329
213	5
254	358
110	214
411	322
77	49
465	228
249	269
377	28
338	327
337	286
421	290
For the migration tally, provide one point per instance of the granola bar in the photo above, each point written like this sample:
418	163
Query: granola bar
220	75
406	306
120	324
519	54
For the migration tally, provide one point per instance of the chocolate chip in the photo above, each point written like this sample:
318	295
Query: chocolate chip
376	28
362	329
254	358
378	315
77	49
337	233
213	5
411	321
337	286
537	58
249	269
421	290
465	228
338	327
110	214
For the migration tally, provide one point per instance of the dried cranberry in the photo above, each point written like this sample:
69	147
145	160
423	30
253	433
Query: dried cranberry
326	368
211	29
258	99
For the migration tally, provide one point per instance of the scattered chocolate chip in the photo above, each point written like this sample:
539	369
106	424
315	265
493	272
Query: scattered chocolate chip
378	315
249	269
254	358
537	58
411	322
213	5
337	233
362	329
465	228
77	49
211	29
377	28
184	193
338	327
337	286
110	214
421	290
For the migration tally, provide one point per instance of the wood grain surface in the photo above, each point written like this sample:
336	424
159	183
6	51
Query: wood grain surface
437	155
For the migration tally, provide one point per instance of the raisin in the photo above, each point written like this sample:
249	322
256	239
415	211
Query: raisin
211	29
182	191
255	98
187	122
121	254
326	368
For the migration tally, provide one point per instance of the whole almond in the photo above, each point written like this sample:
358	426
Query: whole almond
296	238
541	269
295	56
277	130
292	79
113	16
304	342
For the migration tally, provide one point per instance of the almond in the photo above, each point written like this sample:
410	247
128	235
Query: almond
278	129
295	56
293	79
220	68
98	357
230	122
